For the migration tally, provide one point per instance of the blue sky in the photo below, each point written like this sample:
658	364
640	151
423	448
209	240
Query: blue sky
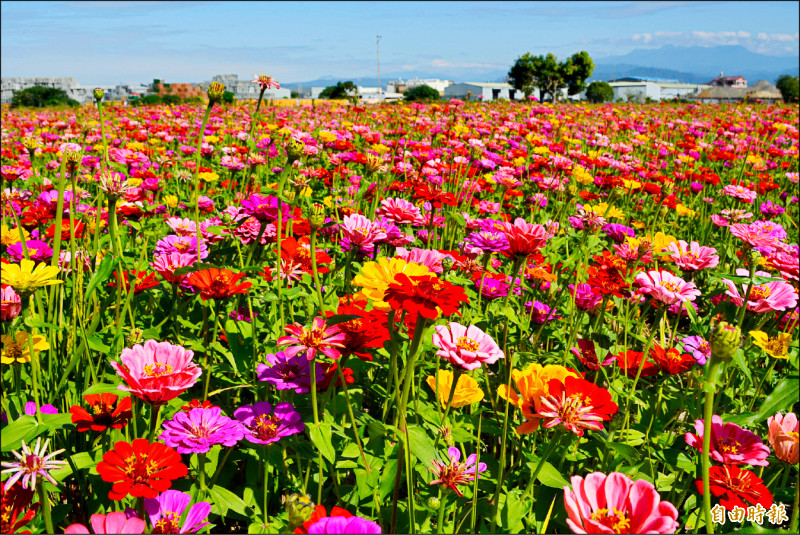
112	42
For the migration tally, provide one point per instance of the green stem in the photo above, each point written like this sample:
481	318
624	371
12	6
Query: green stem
154	412
442	508
266	487
44	499
550	448
197	153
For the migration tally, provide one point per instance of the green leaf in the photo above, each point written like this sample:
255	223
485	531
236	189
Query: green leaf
23	428
227	354
95	342
549	475
781	399
421	445
39	324
101	275
626	451
738	358
224	498
104	388
340	318
321	435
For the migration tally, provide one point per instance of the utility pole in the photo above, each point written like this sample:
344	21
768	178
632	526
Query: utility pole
379	66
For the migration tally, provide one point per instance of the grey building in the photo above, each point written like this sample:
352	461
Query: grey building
9	86
484	91
246	89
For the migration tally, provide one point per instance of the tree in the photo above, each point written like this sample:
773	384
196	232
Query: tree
421	93
149	100
39	97
341	90
171	99
599	92
228	97
549	75
789	86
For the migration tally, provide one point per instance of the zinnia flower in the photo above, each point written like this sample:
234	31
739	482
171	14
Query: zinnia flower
157	372
287	373
772	296
317	339
784	437
17	350
265	427
525	238
375	278
777	347
693	257
467	347
533	385
38	251
630	361
733	486
140	469
576	404
15	507
213	283
454	473
340	521
585	352
33	463
265	82
467	390
166	510
103	415
111	523
24	277
197	430
671	361
666	287
614	503
699	348
425	295
10	304
730	444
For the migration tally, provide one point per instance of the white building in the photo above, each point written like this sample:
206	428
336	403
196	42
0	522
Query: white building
483	91
635	91
639	89
246	89
9	86
399	86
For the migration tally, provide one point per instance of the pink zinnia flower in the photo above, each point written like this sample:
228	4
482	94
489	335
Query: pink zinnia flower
10	304
167	509
467	347
772	296
752	236
157	372
693	257
585	299
739	192
316	339
665	287
399	211
429	258
360	231
784	437
730	444
182	226
166	265
614	503
111	523
525	238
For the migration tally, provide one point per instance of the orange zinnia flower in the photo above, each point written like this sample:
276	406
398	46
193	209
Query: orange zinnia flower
213	283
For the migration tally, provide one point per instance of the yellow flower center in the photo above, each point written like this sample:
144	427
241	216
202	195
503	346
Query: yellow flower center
157	369
760	292
671	286
729	445
265	427
14	351
467	344
614	519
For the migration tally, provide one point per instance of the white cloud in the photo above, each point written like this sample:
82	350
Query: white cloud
761	42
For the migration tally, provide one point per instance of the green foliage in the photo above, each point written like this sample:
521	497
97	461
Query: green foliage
789	86
39	97
549	75
598	92
341	90
228	97
421	93
148	100
171	99
294	94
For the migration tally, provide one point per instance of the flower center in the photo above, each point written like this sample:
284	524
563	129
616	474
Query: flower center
730	446
157	369
671	286
220	283
614	519
139	470
266	427
760	292
776	346
181	246
167	524
467	344
14	351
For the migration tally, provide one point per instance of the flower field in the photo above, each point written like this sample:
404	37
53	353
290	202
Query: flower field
443	318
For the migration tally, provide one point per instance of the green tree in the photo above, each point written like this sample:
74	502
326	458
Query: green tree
171	99
150	100
789	86
421	93
599	92
341	90
228	97
549	75
39	97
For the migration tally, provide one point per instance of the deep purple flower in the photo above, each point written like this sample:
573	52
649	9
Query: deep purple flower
166	510
242	314
180	244
342	524
199	429
698	347
38	250
618	232
771	210
541	312
488	241
286	373
585	299
265	428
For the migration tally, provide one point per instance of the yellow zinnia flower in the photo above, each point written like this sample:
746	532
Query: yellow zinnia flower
17	350
467	391
376	277
778	347
27	275
532	385
14	235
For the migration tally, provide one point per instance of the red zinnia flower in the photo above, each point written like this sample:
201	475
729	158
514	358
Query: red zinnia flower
606	282
577	404
631	361
197	404
367	330
297	252
104	414
140	469
671	361
733	486
79	226
319	513
142	281
213	283
423	295
14	501
331	376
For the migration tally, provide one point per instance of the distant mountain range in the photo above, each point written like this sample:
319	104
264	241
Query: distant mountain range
689	64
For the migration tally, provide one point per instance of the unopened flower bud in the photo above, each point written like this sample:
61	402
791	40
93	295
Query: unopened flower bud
667	189
299	508
73	159
447	263
447	434
289	195
725	340
215	91
316	217
134	337
434	503
294	150
98	94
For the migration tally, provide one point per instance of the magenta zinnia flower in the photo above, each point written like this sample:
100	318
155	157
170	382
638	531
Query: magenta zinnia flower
344	524
197	430
614	503
286	373
157	372
585	298
698	347
180	244
38	251
665	287
317	339
265	428
772	296
730	444
166	510
585	352
467	347
752	236
692	257
10	304
360	231
455	473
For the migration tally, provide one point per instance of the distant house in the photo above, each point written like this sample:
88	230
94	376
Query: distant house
761	90
400	86
183	90
728	81
484	91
